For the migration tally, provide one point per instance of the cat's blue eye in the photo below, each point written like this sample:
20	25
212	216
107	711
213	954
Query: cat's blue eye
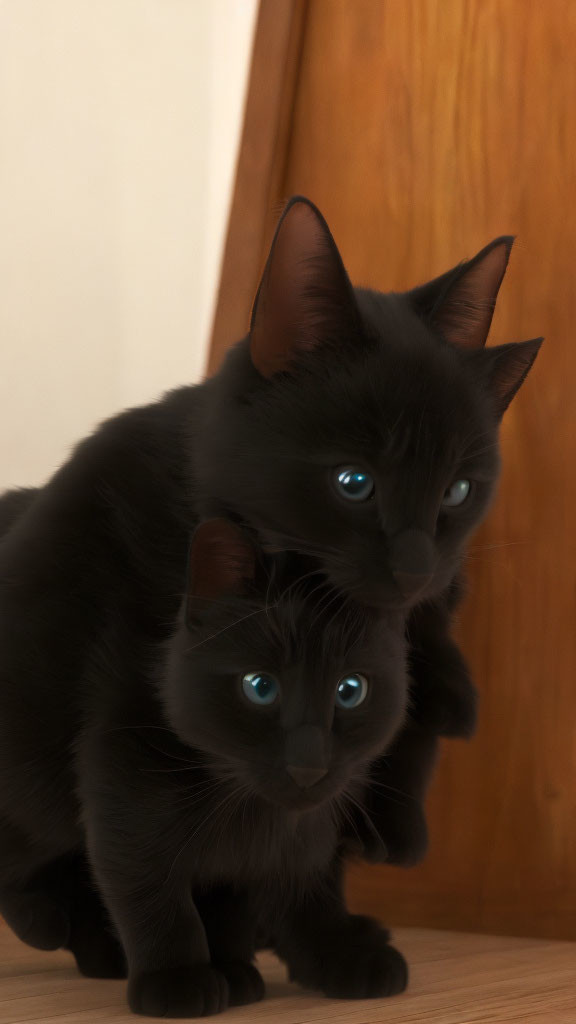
351	691
260	688
456	494
353	483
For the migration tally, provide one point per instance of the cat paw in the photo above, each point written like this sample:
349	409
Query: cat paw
179	992
36	919
245	983
99	955
365	846
354	961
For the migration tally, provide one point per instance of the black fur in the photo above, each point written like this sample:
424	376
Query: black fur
399	385
180	784
93	572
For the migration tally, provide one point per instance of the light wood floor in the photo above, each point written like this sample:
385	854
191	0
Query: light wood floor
455	979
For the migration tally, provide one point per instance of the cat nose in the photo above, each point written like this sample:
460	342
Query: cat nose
411	583
305	777
412	558
306	755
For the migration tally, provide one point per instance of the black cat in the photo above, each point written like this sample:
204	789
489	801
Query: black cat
211	774
358	427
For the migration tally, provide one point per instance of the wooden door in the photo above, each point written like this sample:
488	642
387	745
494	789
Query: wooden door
422	129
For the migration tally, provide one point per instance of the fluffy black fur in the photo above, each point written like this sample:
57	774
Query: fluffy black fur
203	846
399	385
92	573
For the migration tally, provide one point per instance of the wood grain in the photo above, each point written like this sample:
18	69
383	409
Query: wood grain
260	168
423	129
455	979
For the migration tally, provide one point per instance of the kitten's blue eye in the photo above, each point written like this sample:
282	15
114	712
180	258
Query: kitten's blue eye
351	691
456	494
260	688
354	483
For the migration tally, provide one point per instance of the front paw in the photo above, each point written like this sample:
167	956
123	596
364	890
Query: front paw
179	992
353	961
36	918
245	983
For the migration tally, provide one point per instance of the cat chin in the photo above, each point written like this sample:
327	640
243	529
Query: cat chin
383	595
295	804
379	596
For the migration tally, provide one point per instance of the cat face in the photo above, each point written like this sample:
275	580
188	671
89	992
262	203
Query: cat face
289	697
362	428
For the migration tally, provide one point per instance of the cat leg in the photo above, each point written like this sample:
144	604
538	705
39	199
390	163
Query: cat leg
345	956
443	704
30	890
444	696
137	838
169	969
56	906
92	939
393	827
228	917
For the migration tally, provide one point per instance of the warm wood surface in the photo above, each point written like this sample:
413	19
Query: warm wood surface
424	128
456	979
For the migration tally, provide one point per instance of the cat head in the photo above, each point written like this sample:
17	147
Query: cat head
289	690
360	427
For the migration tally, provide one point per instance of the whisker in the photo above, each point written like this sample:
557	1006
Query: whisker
365	815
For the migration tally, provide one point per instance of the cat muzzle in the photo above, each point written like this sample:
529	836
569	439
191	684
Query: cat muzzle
306	755
412	559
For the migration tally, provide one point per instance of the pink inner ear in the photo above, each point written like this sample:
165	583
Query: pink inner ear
465	314
281	303
304	295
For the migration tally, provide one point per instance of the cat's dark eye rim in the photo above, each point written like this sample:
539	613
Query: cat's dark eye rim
350	468
247	693
365	691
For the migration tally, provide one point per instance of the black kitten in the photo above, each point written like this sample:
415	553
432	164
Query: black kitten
212	783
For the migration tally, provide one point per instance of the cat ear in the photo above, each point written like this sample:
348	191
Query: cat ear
460	304
305	298
508	367
222	561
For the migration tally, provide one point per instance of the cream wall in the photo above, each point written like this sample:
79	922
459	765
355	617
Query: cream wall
119	124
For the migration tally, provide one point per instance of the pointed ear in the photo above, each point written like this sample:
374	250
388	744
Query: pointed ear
305	298
460	304
222	561
508	367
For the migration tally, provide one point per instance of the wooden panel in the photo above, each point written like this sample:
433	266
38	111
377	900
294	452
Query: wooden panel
424	128
261	167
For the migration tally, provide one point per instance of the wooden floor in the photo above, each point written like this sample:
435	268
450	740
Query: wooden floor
455	979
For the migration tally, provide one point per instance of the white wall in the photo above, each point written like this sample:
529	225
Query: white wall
119	125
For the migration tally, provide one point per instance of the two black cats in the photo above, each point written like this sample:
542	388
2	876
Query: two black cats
209	754
361	430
